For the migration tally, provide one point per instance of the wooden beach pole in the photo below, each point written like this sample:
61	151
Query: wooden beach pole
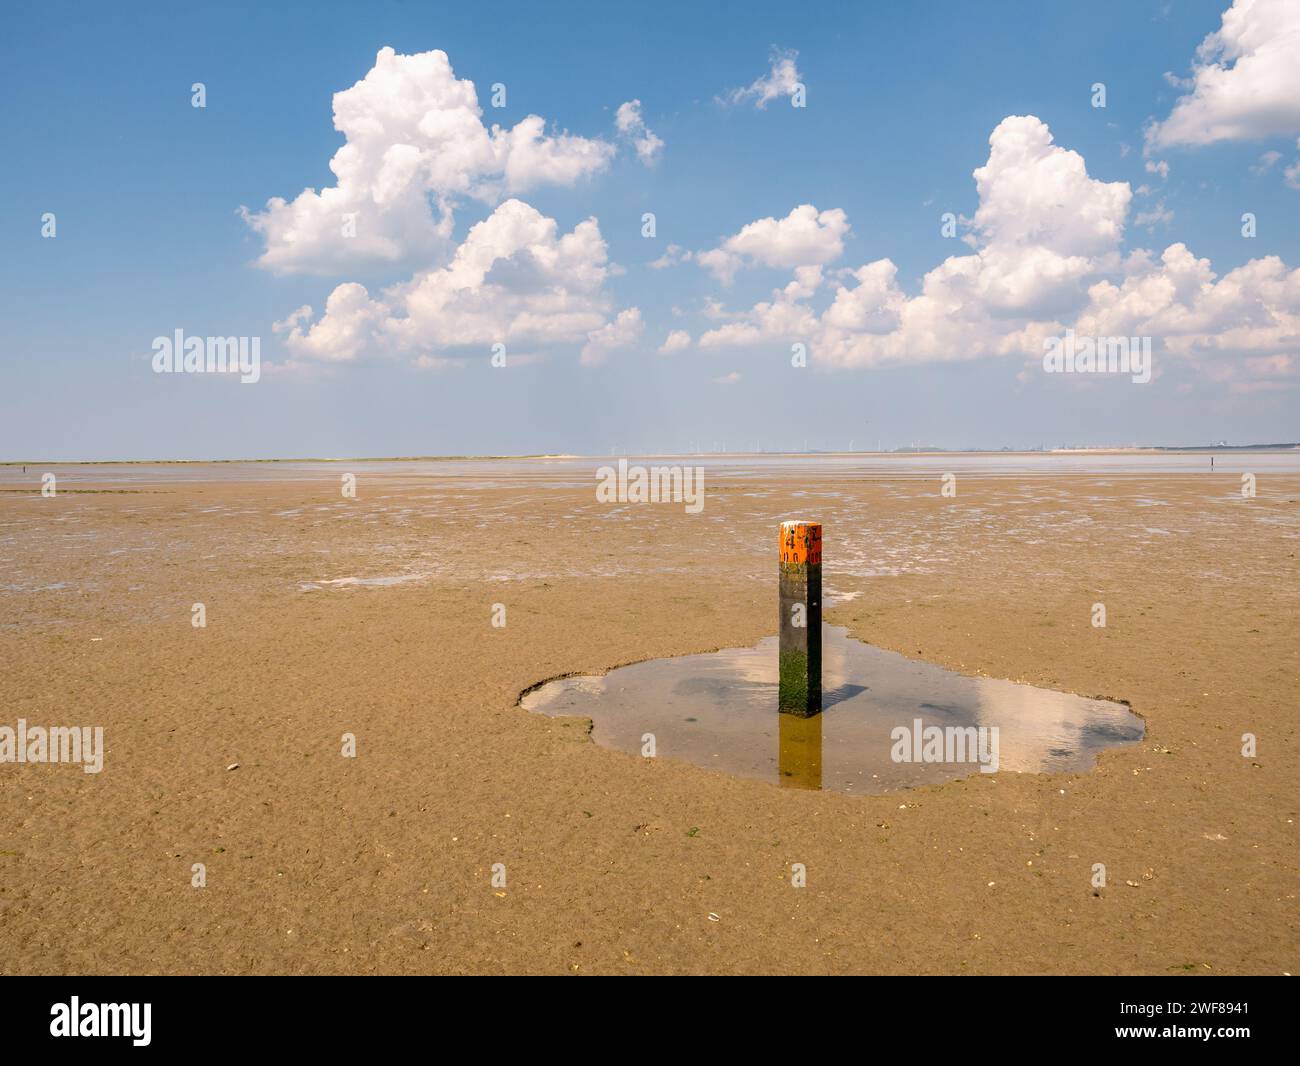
800	690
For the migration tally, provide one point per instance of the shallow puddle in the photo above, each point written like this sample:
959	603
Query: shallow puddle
887	722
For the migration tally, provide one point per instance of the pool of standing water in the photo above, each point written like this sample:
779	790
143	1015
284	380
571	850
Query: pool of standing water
887	722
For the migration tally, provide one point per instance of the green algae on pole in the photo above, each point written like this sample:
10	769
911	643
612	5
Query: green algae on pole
800	657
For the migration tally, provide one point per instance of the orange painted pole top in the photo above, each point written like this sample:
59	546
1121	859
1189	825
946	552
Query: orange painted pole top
801	542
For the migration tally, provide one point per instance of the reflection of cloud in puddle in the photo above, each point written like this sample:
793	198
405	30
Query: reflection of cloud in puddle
1042	731
718	710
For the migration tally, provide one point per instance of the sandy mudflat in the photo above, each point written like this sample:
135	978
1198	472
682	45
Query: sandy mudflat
372	616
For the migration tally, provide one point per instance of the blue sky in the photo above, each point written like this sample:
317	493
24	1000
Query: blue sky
901	103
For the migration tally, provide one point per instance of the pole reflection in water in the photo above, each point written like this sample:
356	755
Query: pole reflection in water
800	757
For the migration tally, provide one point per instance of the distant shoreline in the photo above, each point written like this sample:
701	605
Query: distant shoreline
900	452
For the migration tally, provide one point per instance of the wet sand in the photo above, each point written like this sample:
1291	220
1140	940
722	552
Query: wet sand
373	617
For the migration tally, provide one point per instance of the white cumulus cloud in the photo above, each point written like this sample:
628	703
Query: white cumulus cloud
1245	81
515	280
673	255
1046	256
805	237
676	341
624	331
1266	162
414	145
782	79
631	126
1237	326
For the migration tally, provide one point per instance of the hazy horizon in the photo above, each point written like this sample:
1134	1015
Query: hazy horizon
1268	448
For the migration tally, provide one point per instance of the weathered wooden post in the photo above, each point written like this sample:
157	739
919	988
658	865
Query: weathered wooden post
800	689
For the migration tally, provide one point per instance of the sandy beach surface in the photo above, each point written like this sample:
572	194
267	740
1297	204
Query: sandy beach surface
372	616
